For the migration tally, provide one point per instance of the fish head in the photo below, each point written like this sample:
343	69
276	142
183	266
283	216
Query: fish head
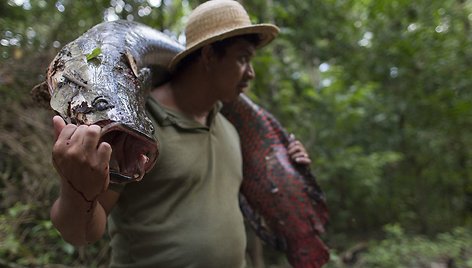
110	92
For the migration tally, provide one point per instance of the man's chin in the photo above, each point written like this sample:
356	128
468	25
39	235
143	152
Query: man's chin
242	89
231	99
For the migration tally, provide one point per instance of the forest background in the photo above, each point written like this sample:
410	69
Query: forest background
379	91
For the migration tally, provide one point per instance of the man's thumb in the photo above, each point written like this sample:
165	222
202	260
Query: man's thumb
59	124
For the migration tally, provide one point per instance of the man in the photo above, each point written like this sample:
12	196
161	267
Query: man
185	212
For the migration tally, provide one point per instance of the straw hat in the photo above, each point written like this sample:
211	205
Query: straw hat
217	20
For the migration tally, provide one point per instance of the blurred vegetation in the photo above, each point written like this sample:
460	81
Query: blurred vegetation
378	91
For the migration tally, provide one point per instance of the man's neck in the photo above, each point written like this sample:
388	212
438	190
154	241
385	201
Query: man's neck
190	94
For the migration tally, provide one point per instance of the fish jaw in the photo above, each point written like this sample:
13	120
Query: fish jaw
112	97
104	77
133	153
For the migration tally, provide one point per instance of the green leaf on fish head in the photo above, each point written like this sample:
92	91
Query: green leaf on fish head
94	54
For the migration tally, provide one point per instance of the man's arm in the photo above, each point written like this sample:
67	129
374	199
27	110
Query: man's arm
81	223
80	212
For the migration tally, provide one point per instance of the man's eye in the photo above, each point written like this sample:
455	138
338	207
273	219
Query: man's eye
244	59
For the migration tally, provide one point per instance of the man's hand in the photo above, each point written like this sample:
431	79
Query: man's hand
297	152
80	159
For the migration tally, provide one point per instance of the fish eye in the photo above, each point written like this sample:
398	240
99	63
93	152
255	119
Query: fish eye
101	104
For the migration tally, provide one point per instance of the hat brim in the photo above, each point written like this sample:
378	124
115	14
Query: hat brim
266	32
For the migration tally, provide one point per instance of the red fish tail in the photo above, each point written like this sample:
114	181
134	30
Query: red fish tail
308	252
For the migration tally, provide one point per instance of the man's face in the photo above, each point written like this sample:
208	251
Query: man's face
232	72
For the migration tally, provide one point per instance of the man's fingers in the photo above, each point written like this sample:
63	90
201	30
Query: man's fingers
104	151
294	147
301	157
104	154
58	124
91	136
298	153
303	160
67	132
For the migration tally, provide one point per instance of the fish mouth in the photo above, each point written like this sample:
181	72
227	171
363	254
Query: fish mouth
133	153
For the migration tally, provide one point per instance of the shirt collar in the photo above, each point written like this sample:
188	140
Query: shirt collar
166	117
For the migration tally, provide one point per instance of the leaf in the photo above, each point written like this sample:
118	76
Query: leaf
97	51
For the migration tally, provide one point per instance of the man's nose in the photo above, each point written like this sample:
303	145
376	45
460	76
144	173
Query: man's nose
250	74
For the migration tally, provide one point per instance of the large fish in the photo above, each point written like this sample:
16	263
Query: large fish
281	199
104	77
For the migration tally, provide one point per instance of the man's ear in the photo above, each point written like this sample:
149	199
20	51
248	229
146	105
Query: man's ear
208	54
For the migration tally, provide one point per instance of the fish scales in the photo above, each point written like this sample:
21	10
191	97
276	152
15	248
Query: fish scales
104	77
281	199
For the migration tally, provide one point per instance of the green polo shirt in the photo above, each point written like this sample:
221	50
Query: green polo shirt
185	212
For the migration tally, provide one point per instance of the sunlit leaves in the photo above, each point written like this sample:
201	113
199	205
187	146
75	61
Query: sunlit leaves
378	91
361	81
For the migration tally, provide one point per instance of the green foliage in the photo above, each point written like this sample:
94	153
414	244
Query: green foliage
378	91
403	250
23	236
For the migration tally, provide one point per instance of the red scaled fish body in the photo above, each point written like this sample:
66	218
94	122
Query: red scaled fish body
281	199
